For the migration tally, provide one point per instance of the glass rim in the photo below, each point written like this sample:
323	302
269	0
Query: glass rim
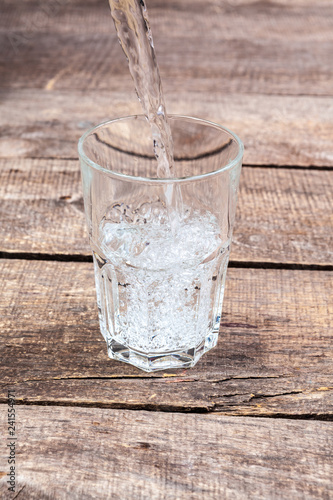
160	180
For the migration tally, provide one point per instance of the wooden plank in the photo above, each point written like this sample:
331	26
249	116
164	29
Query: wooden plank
41	210
274	355
276	130
233	46
229	66
94	453
90	16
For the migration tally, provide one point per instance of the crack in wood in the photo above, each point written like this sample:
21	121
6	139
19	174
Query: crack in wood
293	266
256	396
143	377
263	377
111	377
17	494
289	167
118	406
213	409
262	396
232	263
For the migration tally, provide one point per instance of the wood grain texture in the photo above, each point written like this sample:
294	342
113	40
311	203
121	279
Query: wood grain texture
80	453
229	66
309	20
230	46
274	356
283	215
276	130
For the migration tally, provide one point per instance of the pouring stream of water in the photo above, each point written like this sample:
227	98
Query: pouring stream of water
135	36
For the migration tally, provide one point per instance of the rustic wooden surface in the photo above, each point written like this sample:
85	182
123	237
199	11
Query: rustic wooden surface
254	418
231	45
117	454
276	130
274	357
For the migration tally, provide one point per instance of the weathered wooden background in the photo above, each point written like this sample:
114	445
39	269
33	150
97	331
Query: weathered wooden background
254	418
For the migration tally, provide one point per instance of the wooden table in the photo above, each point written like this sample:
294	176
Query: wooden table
254	418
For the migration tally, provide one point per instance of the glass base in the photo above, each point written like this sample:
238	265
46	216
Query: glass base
150	362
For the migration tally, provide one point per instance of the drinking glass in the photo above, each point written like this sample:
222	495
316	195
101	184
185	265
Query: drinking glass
160	245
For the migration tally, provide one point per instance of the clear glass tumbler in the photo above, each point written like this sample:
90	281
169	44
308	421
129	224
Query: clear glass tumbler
160	245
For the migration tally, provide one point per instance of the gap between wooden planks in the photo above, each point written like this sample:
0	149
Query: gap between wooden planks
95	453
283	215
274	356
